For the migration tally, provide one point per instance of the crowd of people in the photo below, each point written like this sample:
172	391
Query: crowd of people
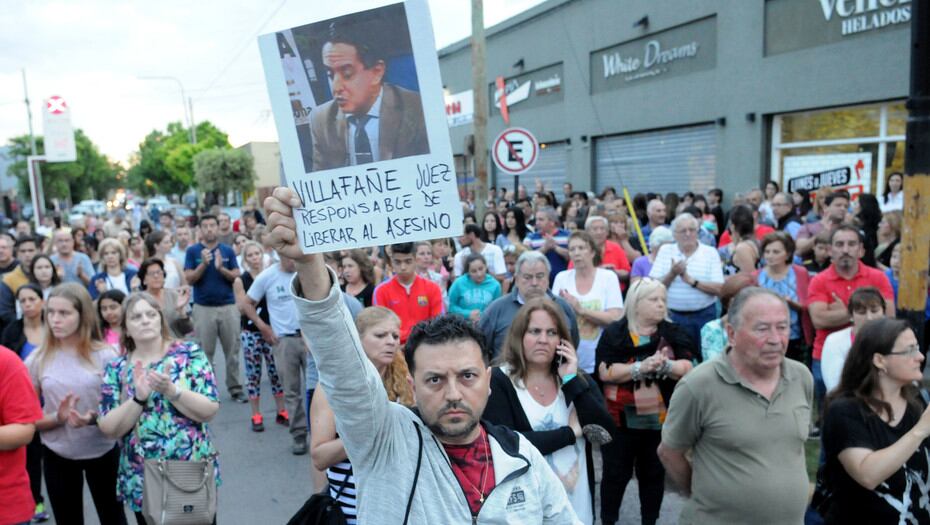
670	337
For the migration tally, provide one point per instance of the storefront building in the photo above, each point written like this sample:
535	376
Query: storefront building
666	96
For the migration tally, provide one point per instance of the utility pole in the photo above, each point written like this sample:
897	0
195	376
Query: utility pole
32	165
480	89
915	238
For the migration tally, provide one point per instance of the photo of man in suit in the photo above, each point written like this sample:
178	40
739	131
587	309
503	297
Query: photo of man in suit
368	119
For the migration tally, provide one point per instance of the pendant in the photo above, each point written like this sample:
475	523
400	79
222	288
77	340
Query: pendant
481	499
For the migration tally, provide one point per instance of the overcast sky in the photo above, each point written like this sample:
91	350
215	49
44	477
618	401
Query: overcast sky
93	52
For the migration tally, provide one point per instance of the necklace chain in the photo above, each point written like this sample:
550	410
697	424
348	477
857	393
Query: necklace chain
484	471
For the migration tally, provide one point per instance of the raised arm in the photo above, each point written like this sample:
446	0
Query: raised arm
355	391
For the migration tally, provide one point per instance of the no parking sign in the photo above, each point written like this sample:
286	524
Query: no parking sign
515	150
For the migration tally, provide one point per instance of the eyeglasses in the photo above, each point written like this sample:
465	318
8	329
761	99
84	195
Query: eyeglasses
911	351
536	332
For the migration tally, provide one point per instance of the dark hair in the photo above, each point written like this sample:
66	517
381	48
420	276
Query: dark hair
863	297
30	286
472	229
145	228
546	197
365	269
469	214
870	214
718	192
837	194
144	270
116	296
846	228
152	240
806	205
406	248
485	235
520	218
208	216
605	190
671	201
860	377
784	239
742	221
773	183
443	329
23	240
888	186
369	53
56	279
472	257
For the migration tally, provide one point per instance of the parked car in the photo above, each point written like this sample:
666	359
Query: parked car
98	208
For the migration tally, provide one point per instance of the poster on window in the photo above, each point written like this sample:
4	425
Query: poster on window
848	171
358	105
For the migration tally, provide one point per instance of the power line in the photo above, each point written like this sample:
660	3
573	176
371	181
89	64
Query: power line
248	42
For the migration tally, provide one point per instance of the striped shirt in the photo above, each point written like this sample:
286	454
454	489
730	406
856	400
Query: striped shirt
340	475
703	265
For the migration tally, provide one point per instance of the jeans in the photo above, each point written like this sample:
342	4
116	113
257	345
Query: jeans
820	389
692	322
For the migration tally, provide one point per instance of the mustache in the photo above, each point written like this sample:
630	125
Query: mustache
455	405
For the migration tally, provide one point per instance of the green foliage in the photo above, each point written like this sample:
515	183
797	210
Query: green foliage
221	170
165	161
91	175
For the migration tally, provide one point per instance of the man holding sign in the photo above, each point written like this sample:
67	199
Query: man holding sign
437	465
368	120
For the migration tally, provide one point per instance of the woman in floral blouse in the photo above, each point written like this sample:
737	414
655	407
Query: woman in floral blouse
156	398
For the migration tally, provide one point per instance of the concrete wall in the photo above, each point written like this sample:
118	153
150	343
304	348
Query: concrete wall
861	68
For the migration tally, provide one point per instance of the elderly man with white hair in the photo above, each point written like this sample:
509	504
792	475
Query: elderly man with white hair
693	275
612	255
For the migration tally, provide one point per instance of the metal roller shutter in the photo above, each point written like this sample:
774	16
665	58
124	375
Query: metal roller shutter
672	160
551	168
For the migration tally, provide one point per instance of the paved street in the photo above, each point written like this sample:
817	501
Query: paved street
263	483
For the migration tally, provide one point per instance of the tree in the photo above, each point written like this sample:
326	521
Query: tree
219	171
165	160
91	175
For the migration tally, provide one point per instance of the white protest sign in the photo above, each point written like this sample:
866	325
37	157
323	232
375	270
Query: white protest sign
58	134
372	164
515	150
849	171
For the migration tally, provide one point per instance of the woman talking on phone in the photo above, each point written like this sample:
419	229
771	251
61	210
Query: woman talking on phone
539	391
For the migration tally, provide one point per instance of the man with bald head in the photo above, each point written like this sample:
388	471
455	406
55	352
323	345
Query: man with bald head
739	472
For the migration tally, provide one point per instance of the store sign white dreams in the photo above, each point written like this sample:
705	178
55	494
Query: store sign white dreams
650	64
859	16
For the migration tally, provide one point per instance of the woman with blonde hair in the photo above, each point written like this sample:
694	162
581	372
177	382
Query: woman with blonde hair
114	273
379	332
66	372
156	399
640	359
538	390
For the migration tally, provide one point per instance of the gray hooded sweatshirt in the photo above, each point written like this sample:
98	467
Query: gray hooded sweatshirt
381	441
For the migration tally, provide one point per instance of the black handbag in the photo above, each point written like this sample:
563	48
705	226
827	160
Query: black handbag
321	509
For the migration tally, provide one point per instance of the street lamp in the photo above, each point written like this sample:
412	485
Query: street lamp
184	103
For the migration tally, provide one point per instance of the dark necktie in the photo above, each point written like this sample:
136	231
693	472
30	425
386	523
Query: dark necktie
362	144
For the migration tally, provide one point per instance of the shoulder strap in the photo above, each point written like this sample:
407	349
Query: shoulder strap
416	475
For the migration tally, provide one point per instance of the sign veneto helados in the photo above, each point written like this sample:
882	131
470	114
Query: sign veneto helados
636	67
859	16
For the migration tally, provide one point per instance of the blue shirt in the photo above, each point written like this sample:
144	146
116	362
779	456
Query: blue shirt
536	240
212	289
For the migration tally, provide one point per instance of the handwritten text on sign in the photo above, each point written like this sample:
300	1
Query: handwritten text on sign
327	203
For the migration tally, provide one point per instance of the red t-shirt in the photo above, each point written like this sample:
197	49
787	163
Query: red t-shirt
473	466
828	282
424	301
18	404
761	231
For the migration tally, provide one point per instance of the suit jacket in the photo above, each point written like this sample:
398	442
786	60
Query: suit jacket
401	129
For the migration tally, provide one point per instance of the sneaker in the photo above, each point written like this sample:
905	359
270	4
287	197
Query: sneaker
257	423
282	418
40	515
299	448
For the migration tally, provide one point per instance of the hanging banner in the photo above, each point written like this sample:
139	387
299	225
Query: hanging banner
372	162
849	171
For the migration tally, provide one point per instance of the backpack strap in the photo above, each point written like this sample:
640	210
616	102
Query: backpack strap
416	475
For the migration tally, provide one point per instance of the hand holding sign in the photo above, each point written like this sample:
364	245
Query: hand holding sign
282	228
